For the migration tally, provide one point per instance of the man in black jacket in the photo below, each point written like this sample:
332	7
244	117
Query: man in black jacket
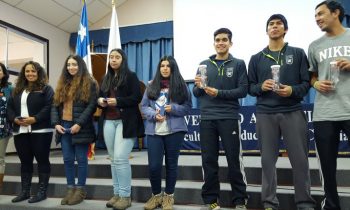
226	83
279	112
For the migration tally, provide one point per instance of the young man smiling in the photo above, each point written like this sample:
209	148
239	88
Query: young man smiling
227	82
279	112
332	102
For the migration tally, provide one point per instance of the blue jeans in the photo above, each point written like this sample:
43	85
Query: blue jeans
119	149
168	146
72	152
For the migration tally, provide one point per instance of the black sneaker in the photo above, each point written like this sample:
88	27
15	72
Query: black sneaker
213	206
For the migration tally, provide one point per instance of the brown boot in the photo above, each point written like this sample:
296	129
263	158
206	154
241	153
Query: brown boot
112	201
1	181
122	203
154	202
78	196
168	202
69	194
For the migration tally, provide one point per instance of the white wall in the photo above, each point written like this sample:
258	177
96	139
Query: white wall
195	22
58	41
137	12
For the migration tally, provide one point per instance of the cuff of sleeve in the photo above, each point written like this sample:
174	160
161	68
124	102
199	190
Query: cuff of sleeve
316	85
261	91
291	91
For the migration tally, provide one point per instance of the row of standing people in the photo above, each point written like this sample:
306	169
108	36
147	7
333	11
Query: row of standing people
165	103
29	118
278	110
167	100
34	108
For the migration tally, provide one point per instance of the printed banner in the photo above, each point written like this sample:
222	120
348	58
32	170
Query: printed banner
248	134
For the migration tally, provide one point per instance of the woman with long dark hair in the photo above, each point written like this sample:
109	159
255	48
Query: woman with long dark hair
5	126
72	115
120	95
165	103
29	110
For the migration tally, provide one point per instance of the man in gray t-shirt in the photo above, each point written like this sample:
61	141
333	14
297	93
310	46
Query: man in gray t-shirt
332	102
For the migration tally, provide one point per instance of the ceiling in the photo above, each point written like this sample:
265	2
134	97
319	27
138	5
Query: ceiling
65	14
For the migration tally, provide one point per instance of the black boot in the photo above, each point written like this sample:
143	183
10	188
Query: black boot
26	181
42	188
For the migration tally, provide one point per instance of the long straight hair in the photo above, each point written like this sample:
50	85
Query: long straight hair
178	91
110	81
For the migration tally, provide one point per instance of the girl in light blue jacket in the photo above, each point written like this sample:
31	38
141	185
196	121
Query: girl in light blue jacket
165	103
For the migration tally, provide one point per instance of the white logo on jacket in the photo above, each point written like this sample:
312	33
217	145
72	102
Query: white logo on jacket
289	59
229	72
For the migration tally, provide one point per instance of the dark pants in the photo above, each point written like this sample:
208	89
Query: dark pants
168	146
30	145
327	143
292	126
229	132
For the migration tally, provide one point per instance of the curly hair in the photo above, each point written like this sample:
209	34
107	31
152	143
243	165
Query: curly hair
178	91
22	82
4	81
76	87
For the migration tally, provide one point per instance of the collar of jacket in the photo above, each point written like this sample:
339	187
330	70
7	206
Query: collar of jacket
221	67
266	52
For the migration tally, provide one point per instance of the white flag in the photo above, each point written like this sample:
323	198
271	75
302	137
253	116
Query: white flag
114	36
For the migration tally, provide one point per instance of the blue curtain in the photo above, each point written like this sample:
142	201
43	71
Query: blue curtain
195	102
143	44
100	49
144	56
346	5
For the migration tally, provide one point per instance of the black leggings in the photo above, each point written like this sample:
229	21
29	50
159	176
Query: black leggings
327	143
30	145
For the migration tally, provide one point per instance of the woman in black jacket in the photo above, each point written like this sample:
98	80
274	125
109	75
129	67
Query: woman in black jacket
29	111
72	115
122	123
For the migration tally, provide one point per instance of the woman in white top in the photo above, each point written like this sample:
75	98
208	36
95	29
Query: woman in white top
29	110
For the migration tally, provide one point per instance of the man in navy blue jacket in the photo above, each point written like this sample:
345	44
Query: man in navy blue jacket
279	112
226	83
